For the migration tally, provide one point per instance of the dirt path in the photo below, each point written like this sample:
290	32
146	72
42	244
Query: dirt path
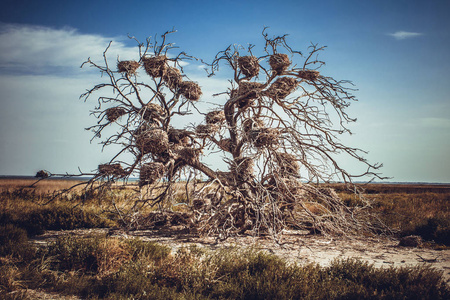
295	247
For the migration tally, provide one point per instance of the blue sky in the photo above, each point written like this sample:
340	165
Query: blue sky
395	52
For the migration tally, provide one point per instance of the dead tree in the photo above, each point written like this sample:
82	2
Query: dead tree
278	132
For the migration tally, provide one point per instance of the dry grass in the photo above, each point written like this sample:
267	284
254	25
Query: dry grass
44	186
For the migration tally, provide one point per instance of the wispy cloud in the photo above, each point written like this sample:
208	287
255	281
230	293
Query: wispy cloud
38	49
403	35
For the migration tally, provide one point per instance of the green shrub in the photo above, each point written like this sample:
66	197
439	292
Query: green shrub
61	218
75	253
150	250
14	242
435	229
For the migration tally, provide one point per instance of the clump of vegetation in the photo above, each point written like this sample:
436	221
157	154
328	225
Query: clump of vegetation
412	210
100	267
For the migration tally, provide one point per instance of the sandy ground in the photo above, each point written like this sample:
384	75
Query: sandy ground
297	247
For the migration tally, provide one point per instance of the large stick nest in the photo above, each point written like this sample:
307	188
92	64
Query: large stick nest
155	66
251	123
113	113
188	154
128	66
207	130
152	140
152	112
190	90
249	65
150	173
172	77
111	170
264	137
310	75
248	91
215	117
42	174
279	63
281	88
179	136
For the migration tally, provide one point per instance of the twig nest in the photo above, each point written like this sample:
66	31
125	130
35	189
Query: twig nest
242	168
206	130
188	154
248	91
215	117
281	88
190	90
155	66
310	75
172	77
152	112
153	140
151	172
264	137
249	65
128	66
251	123
42	174
113	113
225	144
287	163
279	63
179	136
111	170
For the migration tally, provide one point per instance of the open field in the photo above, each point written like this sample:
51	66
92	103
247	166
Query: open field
74	247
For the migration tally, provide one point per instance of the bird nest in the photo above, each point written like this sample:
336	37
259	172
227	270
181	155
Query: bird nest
42	174
179	136
207	130
264	137
279	62
242	168
215	117
155	66
249	65
252	123
113	113
111	170
172	77
287	163
152	140
152	112
190	90
310	75
248	91
128	66
151	172
188	154
281	88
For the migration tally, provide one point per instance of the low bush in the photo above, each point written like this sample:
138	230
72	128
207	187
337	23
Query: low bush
99	267
435	229
14	243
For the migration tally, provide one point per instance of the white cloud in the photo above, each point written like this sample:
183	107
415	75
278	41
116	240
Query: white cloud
38	49
402	35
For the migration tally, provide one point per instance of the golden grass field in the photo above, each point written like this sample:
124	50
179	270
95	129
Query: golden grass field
87	256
